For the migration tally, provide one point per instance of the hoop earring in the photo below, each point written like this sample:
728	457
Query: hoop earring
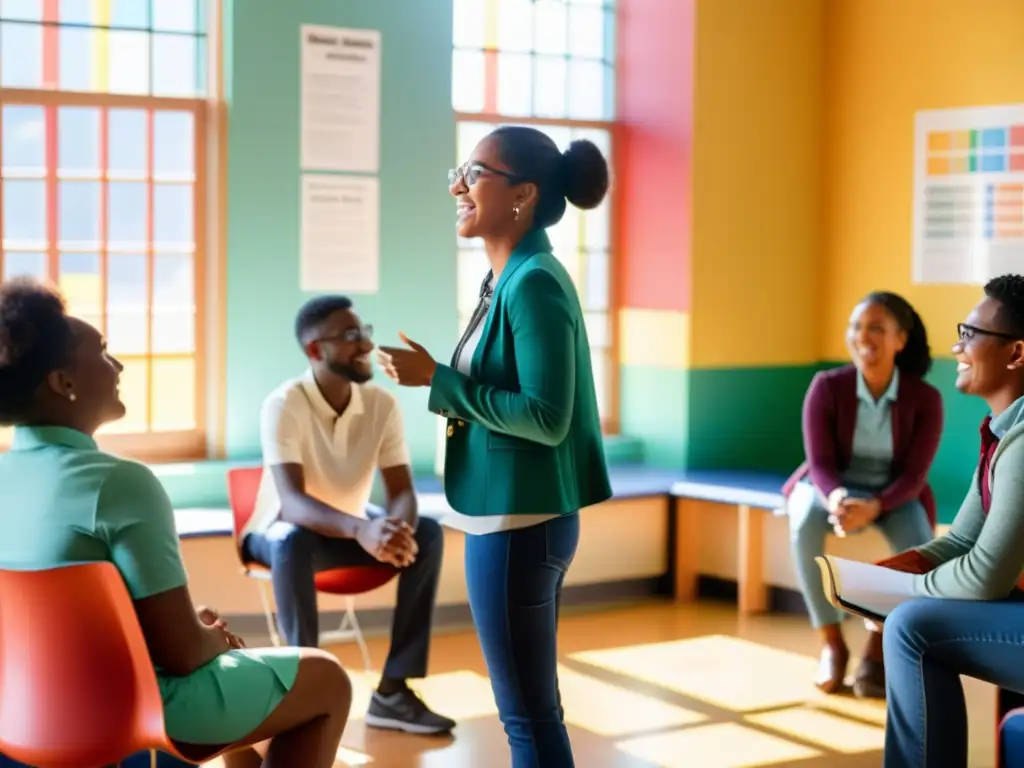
515	210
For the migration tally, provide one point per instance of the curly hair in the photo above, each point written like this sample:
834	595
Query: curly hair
35	340
916	357
1008	290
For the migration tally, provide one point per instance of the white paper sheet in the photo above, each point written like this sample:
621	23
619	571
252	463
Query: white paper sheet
968	194
340	99
340	234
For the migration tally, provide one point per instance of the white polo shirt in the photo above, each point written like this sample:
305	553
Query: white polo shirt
339	454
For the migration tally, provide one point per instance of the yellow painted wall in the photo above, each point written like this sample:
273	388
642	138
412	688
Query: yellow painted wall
756	192
885	60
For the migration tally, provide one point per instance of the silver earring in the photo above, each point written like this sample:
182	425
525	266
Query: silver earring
515	210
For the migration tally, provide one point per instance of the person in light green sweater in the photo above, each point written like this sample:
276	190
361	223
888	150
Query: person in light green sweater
970	617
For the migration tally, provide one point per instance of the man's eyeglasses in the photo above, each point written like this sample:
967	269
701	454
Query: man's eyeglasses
351	334
967	332
471	173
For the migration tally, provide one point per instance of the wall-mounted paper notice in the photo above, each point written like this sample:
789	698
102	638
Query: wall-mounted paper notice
968	194
340	99
340	237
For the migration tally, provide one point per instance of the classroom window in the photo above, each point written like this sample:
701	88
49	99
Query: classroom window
549	64
102	127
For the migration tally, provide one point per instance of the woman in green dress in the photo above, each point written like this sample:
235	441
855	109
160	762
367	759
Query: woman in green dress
65	501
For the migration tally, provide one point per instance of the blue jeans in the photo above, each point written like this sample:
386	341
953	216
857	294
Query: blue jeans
514	579
928	644
904	527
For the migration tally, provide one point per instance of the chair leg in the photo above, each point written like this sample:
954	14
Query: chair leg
275	638
350	623
152	758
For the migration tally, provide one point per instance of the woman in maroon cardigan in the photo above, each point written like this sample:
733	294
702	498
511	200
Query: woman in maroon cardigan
871	430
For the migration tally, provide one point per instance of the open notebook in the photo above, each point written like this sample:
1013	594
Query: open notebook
871	591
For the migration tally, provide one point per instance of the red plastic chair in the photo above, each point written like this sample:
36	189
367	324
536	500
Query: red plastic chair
77	686
243	487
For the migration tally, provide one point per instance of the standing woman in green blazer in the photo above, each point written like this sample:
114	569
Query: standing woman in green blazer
524	451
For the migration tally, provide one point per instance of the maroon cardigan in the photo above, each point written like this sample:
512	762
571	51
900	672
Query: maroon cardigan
829	420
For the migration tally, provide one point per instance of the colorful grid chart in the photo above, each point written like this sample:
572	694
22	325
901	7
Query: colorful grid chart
1004	210
982	150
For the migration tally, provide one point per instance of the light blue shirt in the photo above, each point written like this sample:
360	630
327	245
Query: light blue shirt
1002	423
871	463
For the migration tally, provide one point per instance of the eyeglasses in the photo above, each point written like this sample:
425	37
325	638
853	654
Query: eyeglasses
471	173
967	332
351	334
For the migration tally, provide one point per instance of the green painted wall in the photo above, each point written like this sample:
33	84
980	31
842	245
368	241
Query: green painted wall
653	408
418	280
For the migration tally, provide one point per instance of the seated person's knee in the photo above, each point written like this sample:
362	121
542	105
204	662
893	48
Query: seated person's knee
333	685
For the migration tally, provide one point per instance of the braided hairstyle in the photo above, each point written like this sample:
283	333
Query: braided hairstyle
916	357
35	340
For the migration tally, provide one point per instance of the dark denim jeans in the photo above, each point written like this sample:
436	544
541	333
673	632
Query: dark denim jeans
929	643
514	579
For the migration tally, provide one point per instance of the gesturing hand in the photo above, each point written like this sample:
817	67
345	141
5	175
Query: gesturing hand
389	541
412	367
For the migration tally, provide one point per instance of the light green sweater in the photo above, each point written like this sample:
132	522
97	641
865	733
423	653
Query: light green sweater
981	557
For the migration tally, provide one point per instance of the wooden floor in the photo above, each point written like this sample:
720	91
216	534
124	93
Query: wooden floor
657	686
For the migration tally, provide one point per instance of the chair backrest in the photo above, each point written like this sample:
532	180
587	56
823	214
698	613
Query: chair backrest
77	686
243	487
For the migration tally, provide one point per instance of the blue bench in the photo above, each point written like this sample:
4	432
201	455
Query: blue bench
751	494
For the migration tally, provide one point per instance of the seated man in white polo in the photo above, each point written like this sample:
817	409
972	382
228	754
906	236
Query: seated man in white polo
324	436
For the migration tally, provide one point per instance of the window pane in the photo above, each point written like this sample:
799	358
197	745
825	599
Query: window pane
469	135
126	143
25	213
552	73
79	220
29	264
23	130
468	81
551	27
571	261
174	321
598	291
134	391
515	83
172	215
587	97
597	329
174	145
174	65
27	10
126	304
586	31
77	52
78	142
469	23
596	225
129	13
79	281
515	25
126	215
21	55
128	62
75	11
472	268
174	394
174	15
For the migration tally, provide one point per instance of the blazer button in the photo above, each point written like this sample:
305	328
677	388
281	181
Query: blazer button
451	430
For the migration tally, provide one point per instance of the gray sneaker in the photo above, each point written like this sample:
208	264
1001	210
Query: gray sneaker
405	711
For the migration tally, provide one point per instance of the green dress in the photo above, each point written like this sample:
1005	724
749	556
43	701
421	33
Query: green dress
64	502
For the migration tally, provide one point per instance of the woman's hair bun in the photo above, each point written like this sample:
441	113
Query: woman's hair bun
586	174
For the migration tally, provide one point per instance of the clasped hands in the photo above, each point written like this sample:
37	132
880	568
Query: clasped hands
412	367
847	514
211	618
389	540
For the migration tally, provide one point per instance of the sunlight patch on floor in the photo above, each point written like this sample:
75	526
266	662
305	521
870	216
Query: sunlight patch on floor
822	728
722	745
724	671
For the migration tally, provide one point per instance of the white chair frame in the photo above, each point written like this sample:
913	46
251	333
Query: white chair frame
349	630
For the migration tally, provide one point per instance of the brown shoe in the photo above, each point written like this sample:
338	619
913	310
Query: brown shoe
831	669
869	680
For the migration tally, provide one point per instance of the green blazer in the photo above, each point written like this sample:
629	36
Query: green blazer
524	434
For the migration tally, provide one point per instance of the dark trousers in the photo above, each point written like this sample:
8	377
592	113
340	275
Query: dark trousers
515	581
295	554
